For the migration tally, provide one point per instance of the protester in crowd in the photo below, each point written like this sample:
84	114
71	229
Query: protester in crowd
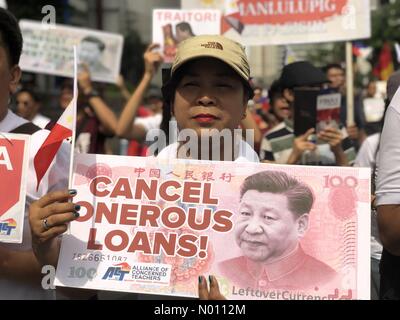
20	272
153	101
336	75
66	94
371	90
28	107
132	127
367	157
95	120
269	115
260	100
255	119
260	108
388	195
208	89
246	123
279	106
280	144
152	107
258	96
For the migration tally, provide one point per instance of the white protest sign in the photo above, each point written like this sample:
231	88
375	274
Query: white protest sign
374	108
49	49
170	27
328	111
277	22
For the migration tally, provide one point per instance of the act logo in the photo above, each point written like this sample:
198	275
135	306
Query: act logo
117	272
7	226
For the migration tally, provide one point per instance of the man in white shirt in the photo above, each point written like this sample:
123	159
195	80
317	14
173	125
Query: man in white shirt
20	272
388	196
367	157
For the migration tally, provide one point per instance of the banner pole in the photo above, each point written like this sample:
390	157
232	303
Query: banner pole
349	84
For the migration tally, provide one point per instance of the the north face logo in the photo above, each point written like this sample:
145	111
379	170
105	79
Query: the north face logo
213	45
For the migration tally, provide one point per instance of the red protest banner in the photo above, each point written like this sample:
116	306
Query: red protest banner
11	161
14	158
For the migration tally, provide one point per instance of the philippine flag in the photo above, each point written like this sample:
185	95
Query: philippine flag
64	129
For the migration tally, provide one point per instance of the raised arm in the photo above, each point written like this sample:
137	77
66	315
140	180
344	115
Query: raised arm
104	114
122	87
126	128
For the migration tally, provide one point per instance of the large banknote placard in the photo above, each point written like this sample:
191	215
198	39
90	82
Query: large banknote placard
49	49
265	231
14	161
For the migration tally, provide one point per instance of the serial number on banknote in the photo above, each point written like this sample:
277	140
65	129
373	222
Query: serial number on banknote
97	257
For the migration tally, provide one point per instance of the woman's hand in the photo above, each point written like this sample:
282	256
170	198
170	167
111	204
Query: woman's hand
49	216
152	60
213	293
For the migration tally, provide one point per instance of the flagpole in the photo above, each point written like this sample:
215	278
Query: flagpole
349	84
75	97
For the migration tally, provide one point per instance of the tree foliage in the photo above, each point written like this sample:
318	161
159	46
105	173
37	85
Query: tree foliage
385	27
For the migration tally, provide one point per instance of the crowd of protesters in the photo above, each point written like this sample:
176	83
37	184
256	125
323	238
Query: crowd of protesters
267	111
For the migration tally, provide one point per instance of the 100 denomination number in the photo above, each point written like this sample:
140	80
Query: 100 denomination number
339	182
